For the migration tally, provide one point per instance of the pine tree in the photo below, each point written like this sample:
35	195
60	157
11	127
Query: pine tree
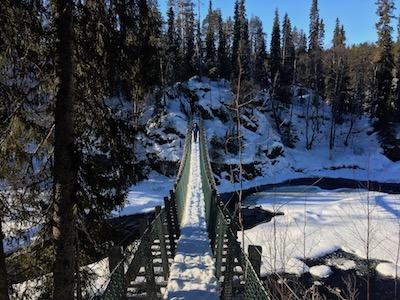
259	54
315	49
384	64
199	50
244	45
24	82
65	169
148	37
126	20
315	76
288	55
171	48
275	51
396	96
223	63
241	44
186	25
336	88
314	43
228	28
98	118
236	40
301	58
210	50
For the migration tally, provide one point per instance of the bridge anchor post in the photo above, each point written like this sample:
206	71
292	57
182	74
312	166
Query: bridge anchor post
116	268
255	257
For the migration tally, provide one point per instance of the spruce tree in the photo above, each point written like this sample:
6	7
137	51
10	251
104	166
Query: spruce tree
259	54
65	168
171	48
210	51
199	50
288	55
396	96
188	43
275	50
336	88
241	44
223	63
315	75
384	64
301	59
98	118
235	40
25	79
148	38
244	44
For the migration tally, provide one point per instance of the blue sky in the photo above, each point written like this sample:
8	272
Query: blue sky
358	16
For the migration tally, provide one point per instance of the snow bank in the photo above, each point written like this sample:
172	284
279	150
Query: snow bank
97	276
321	271
317	222
388	270
342	263
146	195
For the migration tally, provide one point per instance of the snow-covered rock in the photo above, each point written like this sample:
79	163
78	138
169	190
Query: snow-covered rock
321	271
388	269
342	263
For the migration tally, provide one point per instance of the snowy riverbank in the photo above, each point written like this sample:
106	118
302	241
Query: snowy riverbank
317	222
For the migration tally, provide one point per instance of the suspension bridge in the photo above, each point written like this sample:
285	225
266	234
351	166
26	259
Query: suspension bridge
190	250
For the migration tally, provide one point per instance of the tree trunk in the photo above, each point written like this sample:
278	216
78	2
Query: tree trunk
3	269
274	108
65	174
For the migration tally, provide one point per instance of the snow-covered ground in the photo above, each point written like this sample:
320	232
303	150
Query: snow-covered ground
192	274
317	222
146	195
362	159
98	275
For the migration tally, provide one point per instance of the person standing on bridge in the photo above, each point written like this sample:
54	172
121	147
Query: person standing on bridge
195	131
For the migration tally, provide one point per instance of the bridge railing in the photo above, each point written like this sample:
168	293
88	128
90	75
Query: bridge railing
182	180
227	250
131	261
158	240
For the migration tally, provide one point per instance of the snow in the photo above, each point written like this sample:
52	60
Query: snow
98	275
147	194
29	290
18	234
317	222
321	271
388	270
362	159
192	274
342	263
